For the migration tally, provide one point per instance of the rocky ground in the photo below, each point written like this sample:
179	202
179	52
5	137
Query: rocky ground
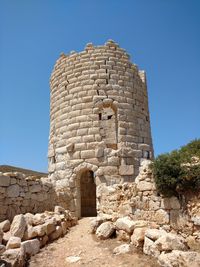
80	248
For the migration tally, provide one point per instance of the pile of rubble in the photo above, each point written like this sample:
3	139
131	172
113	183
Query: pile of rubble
27	233
170	248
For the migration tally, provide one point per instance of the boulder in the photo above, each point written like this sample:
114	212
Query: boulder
154	234
56	234
169	242
15	257
125	224
13	242
31	247
137	238
105	230
38	218
50	226
95	223
29	218
122	249
179	258
35	231
18	226
5	225
150	248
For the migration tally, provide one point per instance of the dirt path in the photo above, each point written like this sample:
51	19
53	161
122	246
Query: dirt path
88	251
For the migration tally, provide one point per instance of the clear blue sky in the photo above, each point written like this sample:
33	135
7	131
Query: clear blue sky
162	37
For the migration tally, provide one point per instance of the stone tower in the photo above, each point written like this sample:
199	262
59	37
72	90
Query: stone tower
99	122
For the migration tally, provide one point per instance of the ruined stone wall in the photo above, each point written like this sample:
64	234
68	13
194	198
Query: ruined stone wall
21	194
141	201
99	117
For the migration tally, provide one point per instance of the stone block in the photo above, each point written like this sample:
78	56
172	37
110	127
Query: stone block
13	190
13	242
4	180
99	152
87	154
161	217
145	186
126	170
125	224
5	225
105	230
18	226
35	188
31	247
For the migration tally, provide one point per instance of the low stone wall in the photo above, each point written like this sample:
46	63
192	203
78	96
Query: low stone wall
141	201
21	194
28	232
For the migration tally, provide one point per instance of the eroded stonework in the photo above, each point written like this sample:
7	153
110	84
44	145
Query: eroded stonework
99	119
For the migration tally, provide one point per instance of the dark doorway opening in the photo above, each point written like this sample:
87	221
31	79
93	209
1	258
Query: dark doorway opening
88	194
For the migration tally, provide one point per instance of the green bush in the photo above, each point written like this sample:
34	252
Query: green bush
177	172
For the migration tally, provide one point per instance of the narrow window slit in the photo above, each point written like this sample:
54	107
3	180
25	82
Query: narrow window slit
100	116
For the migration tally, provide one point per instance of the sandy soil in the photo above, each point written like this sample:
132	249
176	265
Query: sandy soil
88	251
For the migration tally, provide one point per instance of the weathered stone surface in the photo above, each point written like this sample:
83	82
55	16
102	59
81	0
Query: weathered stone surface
125	224
18	226
31	247
145	186
122	249
13	242
154	234
161	217
15	257
13	190
137	238
196	219
4	180
5	225
170	203
179	258
95	223
170	242
105	230
150	248
56	234
50	226
126	170
193	243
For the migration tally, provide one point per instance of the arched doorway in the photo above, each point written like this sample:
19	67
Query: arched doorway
88	194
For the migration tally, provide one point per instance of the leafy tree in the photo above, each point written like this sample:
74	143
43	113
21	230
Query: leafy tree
178	171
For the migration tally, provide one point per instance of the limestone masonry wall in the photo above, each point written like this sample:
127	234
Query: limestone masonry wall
22	194
140	200
99	118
